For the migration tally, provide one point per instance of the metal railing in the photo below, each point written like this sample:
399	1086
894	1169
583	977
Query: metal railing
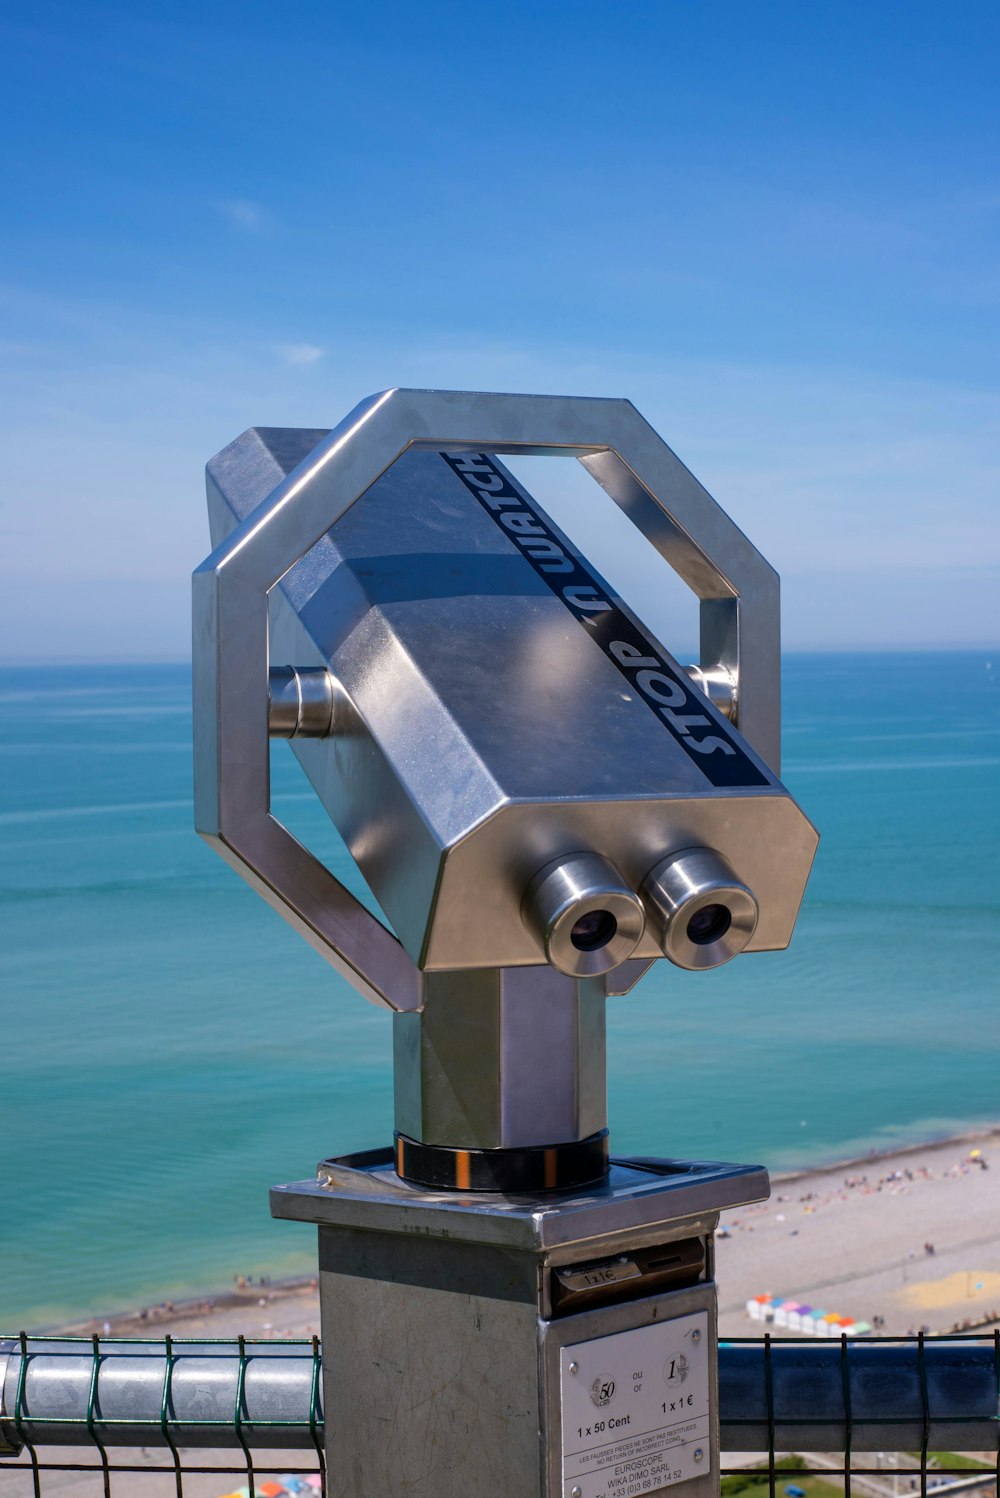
177	1395
926	1398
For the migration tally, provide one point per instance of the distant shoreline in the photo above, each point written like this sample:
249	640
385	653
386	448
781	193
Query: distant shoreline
989	1131
163	1315
261	1291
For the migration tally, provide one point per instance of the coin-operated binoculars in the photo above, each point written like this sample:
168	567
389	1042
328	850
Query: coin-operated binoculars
543	803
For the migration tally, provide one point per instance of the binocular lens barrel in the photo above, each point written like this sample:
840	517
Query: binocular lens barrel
583	915
699	911
588	921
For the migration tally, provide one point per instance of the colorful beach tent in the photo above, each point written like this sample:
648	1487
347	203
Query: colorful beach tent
796	1316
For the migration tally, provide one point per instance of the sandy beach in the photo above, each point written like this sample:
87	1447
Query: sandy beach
854	1238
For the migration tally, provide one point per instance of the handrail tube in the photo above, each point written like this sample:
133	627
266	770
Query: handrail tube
885	1395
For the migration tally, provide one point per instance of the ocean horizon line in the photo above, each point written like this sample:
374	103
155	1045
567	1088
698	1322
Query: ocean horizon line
908	648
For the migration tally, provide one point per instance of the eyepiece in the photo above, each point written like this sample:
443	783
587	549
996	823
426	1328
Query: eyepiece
583	915
592	932
709	924
699	911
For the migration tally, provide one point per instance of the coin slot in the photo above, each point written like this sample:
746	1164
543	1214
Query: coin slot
631	1276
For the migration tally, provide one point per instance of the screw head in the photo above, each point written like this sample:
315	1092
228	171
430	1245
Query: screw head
699	1454
575	1493
696	1335
574	1367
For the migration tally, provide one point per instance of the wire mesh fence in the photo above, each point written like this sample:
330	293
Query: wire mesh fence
151	1422
887	1399
198	1418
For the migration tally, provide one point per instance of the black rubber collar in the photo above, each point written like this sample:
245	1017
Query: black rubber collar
556	1167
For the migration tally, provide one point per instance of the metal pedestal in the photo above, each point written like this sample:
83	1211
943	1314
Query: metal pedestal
558	1344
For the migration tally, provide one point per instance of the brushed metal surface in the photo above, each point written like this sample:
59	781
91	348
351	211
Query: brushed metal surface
583	915
445	1379
634	1206
507	753
696	883
804	1396
466	693
125	1387
433	1392
499	1059
300	702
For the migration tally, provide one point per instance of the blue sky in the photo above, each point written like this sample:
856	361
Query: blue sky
773	226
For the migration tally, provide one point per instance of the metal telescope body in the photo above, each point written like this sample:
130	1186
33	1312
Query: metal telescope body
543	802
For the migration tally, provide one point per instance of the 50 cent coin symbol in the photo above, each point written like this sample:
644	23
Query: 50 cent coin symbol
602	1391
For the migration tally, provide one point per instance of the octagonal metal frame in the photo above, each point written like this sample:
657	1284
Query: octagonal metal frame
740	627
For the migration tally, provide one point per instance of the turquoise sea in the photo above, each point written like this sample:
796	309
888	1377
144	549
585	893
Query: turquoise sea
170	1048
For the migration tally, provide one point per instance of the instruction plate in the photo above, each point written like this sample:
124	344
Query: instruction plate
635	1414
